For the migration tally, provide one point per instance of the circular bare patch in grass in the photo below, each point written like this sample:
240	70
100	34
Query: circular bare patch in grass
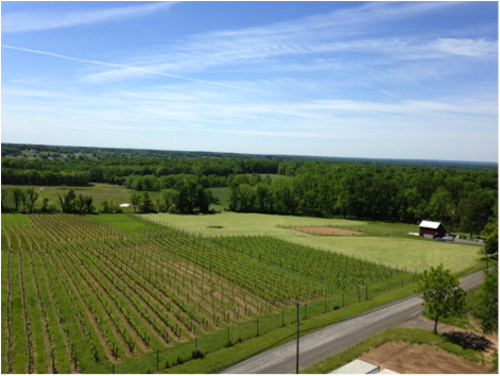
324	230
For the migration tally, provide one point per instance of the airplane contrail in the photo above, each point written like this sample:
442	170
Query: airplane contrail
145	70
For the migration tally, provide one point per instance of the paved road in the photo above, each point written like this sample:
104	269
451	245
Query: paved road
336	338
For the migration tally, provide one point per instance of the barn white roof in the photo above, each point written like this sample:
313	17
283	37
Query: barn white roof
429	224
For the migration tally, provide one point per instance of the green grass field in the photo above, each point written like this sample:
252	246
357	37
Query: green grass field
99	192
395	249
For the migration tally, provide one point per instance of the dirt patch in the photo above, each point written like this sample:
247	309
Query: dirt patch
402	357
324	230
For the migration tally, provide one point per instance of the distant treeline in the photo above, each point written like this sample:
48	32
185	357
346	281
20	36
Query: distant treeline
465	200
124	171
461	195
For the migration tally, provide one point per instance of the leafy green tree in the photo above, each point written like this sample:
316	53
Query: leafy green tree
79	203
205	199
234	198
247	198
188	195
487	312
491	245
87	204
19	196
32	196
474	211
441	207
263	196
170	197
135	200
5	193
67	202
146	205
441	293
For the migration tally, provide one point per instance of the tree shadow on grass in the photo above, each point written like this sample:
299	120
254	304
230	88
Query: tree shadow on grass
469	340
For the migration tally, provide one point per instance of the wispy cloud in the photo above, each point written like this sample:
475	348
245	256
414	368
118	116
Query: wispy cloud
26	21
140	70
308	44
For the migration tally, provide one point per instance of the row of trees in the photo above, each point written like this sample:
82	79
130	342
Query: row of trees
186	197
153	183
44	178
460	200
72	203
24	200
116	169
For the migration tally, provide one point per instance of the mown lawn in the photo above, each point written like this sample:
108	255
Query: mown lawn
395	249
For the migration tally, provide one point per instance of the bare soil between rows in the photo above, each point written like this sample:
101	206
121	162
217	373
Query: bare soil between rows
324	230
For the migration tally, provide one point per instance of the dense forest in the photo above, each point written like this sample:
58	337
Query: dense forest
464	196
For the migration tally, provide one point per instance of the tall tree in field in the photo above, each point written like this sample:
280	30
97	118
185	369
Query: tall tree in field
89	208
32	197
19	196
67	202
247	198
135	200
188	196
441	293
79	203
205	199
146	205
234	197
263	197
170	197
5	193
487	312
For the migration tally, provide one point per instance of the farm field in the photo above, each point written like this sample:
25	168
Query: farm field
98	191
82	295
396	249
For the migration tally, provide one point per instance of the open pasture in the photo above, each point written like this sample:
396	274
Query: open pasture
324	230
80	295
397	249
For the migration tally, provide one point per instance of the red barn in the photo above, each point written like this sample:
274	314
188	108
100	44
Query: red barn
431	230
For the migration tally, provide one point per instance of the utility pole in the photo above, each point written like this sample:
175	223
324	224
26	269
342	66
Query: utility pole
298	304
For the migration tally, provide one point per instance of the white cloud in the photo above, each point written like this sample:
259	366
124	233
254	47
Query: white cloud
26	21
466	47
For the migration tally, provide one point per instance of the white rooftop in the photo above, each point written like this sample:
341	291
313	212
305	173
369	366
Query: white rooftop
388	371
429	224
356	367
124	205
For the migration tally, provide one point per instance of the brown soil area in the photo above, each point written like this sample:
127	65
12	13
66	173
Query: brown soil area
408	358
402	357
323	230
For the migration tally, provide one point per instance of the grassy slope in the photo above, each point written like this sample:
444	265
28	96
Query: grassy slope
394	249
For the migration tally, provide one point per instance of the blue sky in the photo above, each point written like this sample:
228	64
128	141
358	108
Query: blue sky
406	80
